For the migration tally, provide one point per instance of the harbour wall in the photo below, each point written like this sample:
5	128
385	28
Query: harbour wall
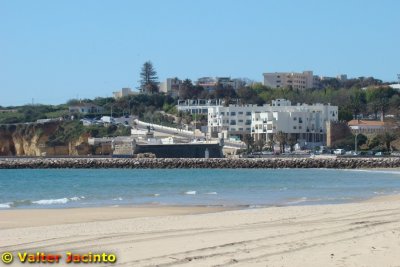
165	163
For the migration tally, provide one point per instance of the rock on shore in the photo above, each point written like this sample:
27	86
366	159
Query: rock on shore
159	163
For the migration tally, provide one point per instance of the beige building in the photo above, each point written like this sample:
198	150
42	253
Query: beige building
171	86
304	80
367	127
123	92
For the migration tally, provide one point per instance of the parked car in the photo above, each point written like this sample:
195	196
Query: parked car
339	151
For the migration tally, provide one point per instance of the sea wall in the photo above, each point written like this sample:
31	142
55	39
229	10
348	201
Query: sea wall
158	163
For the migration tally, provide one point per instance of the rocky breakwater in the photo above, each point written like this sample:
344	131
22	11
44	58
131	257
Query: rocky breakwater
147	163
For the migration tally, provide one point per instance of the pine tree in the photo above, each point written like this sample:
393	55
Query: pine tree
148	79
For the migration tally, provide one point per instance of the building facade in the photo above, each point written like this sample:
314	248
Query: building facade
123	92
296	80
211	83
304	80
198	106
367	127
306	123
171	86
233	120
85	108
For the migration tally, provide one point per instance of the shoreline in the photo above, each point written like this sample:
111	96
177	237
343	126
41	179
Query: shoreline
201	163
13	218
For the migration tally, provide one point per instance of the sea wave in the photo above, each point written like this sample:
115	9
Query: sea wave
190	193
5	205
211	193
56	201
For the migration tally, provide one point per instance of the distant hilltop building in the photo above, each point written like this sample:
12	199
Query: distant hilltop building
304	80
124	92
85	108
297	80
211	83
171	86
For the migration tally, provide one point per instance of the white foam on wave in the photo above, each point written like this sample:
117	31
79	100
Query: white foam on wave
211	193
190	192
51	201
56	201
118	198
5	205
156	195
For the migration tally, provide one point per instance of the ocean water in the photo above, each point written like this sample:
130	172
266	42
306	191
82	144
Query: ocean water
64	188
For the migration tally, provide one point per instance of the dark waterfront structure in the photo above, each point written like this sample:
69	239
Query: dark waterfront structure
193	150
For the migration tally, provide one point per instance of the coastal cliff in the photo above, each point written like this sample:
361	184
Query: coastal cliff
36	140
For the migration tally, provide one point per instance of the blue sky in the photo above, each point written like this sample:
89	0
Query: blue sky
53	51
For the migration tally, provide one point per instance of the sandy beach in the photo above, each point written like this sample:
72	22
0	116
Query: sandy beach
356	234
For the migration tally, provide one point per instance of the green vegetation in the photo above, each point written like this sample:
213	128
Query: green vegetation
71	130
31	113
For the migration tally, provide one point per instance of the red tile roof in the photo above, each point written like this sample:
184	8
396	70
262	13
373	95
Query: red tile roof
365	123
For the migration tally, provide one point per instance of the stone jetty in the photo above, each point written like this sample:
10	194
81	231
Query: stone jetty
159	163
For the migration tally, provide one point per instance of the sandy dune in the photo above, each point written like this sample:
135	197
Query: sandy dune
358	234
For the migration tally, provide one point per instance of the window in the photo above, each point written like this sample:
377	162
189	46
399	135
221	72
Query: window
295	118
233	122
233	113
233	129
248	122
248	113
294	127
240	129
248	129
240	120
240	112
223	113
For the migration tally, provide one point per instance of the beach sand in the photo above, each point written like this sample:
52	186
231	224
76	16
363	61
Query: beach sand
355	234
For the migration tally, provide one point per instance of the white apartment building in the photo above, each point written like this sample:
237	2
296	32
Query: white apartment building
233	120
198	106
306	123
304	80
